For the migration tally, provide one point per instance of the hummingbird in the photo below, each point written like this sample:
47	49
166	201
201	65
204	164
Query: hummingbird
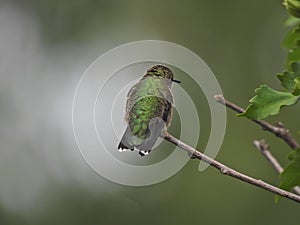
148	110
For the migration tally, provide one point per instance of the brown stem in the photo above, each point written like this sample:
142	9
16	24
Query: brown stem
228	171
279	130
263	147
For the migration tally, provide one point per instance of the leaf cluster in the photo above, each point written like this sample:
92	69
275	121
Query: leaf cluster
268	102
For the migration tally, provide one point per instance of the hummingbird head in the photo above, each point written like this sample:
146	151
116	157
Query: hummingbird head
161	71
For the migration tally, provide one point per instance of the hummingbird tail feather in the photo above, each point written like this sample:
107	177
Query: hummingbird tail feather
125	142
129	141
156	126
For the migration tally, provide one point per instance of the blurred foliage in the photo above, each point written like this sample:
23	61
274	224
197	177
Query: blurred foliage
291	174
268	102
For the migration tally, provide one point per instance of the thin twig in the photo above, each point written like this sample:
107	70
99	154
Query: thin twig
279	130
263	147
228	171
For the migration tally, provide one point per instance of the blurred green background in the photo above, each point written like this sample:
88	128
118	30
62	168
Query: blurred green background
46	46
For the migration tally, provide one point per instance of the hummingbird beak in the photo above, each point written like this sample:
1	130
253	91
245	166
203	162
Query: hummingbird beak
176	81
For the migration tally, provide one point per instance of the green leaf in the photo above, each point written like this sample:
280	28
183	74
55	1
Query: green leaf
268	102
291	21
292	38
293	56
294	155
293	7
297	87
287	78
290	177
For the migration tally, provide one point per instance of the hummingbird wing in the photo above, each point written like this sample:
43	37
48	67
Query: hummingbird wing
126	141
132	98
168	109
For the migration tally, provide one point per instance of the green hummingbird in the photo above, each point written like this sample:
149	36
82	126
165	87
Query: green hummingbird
148	110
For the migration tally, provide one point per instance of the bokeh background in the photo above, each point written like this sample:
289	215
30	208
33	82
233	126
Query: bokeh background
45	46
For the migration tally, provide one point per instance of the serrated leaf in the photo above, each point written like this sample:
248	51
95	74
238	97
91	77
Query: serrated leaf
290	177
268	102
297	87
292	38
287	78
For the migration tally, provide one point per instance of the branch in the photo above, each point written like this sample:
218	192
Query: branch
228	171
263	147
279	130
